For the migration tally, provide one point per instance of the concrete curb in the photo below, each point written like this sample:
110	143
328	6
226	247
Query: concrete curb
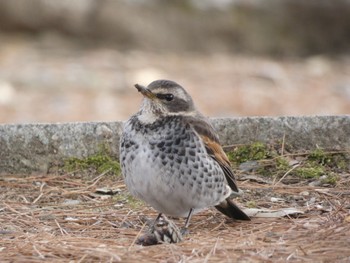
28	148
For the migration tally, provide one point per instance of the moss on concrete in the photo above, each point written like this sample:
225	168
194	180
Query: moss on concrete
102	162
250	152
275	162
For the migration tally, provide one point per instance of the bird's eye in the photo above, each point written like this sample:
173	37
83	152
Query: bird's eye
167	97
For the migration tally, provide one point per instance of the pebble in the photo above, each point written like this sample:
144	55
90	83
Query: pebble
276	199
249	166
71	202
309	225
315	183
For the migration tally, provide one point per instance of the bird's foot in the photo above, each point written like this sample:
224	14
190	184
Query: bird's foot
184	231
163	231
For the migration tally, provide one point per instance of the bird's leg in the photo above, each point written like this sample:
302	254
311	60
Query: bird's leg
154	225
188	218
184	230
158	217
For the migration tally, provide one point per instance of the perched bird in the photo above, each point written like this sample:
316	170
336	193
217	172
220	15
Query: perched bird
171	157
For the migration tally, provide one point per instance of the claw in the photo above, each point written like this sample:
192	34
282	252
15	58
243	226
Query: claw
163	231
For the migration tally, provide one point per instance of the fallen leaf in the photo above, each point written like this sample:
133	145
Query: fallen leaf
257	212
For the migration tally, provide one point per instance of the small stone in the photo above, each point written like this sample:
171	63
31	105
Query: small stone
319	207
69	218
105	197
71	202
312	200
276	199
292	162
323	177
309	225
249	166
315	183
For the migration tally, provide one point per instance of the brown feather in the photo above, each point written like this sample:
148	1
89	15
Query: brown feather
211	141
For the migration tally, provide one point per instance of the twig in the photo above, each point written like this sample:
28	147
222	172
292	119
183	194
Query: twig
125	217
98	178
218	226
290	256
63	232
308	152
36	199
41	193
82	258
137	236
231	146
216	245
289	171
283	143
24	199
212	251
39	253
15	211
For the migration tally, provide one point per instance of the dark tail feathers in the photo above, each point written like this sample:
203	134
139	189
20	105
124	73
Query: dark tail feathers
228	207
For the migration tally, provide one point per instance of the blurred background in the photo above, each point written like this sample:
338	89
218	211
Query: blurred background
78	60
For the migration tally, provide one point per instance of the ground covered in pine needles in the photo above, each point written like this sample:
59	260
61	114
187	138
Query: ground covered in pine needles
91	218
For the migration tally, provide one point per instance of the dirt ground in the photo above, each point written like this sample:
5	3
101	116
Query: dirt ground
64	218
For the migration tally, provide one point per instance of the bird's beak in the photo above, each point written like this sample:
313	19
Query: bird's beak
145	92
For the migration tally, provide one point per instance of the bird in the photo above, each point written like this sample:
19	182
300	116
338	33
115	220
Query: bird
171	157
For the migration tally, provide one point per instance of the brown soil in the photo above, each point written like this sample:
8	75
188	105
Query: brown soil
61	218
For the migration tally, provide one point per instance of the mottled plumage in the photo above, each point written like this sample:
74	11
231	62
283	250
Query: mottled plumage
171	156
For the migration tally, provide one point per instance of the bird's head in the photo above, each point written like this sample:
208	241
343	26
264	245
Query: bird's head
165	97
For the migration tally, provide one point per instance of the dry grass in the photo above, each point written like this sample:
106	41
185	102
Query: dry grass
62	219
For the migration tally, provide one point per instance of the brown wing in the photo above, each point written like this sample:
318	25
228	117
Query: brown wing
211	141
